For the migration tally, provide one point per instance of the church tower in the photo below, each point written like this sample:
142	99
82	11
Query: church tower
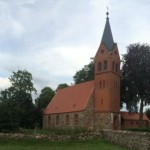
107	81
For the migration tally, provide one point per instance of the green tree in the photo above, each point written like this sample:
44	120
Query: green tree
41	102
147	112
61	86
85	74
18	99
9	119
136	77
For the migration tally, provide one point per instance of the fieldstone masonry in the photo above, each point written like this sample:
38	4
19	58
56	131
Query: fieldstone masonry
134	140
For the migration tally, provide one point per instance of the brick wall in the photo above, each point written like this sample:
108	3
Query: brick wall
133	124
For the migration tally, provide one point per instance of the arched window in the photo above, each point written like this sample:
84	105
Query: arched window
67	120
100	84
99	67
57	120
103	83
113	66
105	65
49	120
116	67
76	119
102	101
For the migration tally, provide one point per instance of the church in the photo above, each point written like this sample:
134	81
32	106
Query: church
94	104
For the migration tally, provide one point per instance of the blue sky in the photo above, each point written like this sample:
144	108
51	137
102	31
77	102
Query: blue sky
52	39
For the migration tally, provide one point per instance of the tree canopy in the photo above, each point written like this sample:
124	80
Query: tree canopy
16	101
135	79
45	97
85	74
41	102
147	112
61	86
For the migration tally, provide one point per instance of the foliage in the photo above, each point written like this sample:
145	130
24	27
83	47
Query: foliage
147	112
61	86
41	102
139	129
136	77
85	74
44	98
55	131
16	102
22	81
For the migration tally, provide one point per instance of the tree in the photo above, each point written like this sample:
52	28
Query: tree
147	112
85	74
136	77
41	102
61	86
18	99
45	97
9	119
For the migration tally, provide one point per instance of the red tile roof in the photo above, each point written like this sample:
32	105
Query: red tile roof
71	99
133	116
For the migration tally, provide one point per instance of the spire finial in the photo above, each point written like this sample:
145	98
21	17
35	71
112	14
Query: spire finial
107	13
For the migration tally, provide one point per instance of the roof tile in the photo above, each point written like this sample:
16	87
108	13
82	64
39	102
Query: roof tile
71	99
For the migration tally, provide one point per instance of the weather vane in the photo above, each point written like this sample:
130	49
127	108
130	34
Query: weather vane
107	13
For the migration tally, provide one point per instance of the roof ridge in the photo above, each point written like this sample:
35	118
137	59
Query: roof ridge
75	85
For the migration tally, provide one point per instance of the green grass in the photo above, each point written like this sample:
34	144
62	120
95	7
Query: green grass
33	144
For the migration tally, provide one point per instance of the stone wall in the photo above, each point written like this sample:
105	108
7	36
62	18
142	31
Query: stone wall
104	120
79	137
134	140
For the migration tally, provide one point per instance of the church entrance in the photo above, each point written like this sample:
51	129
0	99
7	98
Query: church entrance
115	124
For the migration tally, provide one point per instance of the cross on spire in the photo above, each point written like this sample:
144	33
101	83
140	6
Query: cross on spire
107	13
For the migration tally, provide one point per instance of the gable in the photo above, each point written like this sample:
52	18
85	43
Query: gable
71	99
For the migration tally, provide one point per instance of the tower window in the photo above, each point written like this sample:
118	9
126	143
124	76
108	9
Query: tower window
100	84
99	66
116	67
103	83
105	65
102	51
102	101
113	66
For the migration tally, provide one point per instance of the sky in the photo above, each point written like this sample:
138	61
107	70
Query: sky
53	39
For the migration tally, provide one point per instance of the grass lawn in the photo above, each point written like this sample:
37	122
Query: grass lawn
34	144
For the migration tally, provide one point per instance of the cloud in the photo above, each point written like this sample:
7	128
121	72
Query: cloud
54	39
4	83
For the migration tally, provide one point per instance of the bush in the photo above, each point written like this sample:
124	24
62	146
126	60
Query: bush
9	127
139	129
54	131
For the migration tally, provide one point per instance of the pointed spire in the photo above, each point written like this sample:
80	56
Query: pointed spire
107	37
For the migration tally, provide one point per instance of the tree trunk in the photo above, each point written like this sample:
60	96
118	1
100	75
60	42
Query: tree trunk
141	114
